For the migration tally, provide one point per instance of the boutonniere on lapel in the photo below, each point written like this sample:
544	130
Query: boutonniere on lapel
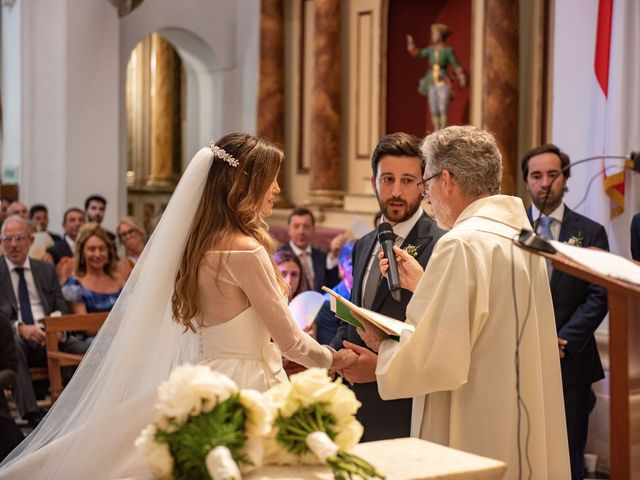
413	250
576	240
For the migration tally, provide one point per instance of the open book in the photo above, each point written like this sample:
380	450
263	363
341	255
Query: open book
344	310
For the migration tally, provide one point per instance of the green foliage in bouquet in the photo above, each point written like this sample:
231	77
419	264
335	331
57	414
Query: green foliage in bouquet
293	430
192	440
314	422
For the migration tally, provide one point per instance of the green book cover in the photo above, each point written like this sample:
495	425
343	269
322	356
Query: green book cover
343	313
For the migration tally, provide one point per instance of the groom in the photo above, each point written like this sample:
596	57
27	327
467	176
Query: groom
397	176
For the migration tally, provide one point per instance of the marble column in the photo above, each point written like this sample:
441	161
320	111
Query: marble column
138	112
500	84
163	86
325	179
271	85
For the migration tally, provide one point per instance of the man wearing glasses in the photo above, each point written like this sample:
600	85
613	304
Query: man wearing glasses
483	361
397	169
29	291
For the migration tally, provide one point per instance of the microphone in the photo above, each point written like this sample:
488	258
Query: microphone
387	240
530	239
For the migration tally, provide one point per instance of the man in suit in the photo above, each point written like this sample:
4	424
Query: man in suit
397	168
71	222
579	306
635	237
95	207
39	215
30	291
318	268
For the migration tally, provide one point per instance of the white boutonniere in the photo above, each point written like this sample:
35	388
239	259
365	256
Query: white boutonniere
576	240
413	250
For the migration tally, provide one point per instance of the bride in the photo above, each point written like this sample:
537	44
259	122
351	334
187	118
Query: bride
204	290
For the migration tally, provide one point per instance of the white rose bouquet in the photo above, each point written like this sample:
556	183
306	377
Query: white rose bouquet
314	422
204	427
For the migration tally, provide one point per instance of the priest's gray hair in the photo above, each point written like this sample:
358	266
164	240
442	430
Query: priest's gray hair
470	154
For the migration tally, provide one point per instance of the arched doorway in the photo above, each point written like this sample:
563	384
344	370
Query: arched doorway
169	92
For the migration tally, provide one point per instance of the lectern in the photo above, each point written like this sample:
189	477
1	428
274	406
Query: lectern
624	365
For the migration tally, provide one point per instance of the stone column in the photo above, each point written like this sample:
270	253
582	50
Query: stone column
325	179
138	112
162	112
500	84
271	85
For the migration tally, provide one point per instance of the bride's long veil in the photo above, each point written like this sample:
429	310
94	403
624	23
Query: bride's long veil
91	427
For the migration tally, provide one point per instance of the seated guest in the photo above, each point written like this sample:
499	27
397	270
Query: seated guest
10	434
44	239
39	215
95	207
4	207
291	270
326	322
71	222
96	284
133	239
29	291
318	269
18	208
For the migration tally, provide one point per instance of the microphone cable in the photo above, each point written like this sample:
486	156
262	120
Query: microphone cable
589	185
521	406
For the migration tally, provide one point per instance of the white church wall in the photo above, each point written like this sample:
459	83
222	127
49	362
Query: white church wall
65	131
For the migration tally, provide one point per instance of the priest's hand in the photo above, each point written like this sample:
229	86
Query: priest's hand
371	335
343	359
409	269
364	368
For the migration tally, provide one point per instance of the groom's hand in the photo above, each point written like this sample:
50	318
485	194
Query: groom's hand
364	368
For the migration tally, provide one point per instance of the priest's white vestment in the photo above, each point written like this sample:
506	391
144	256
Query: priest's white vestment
462	355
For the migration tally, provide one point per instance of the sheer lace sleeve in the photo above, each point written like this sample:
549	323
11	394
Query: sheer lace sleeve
253	272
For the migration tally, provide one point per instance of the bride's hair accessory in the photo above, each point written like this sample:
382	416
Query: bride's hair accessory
223	155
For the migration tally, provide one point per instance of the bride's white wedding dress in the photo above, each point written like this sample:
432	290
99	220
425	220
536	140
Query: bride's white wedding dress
90	430
242	285
240	347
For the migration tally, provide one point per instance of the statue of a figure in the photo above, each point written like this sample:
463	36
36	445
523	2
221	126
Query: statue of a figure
435	85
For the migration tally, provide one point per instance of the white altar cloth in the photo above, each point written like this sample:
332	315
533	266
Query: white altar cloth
401	459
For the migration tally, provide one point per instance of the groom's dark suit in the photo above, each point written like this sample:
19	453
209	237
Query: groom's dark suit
383	419
579	308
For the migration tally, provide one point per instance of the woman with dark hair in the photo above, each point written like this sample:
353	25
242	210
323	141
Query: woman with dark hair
96	283
290	268
205	290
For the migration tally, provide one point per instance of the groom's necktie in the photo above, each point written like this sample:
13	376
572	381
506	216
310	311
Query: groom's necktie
23	298
372	281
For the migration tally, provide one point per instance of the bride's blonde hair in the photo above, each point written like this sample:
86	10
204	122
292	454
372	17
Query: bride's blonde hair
230	202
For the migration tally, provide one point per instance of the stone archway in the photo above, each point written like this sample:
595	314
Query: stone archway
180	117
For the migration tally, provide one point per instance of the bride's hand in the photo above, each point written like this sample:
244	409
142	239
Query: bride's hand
343	358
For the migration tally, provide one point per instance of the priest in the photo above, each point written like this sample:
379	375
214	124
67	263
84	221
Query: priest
483	360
